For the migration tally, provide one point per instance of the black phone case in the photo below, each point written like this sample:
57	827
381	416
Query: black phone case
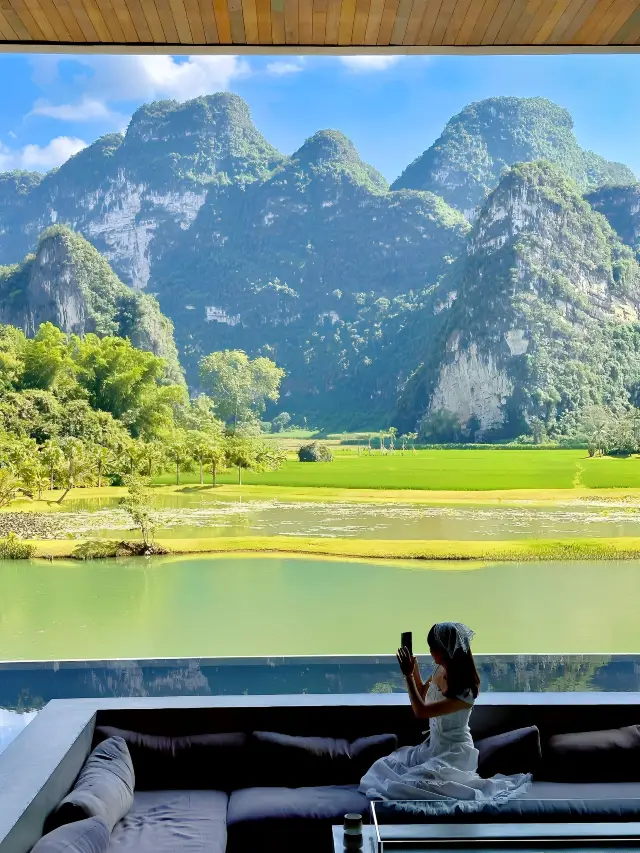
406	639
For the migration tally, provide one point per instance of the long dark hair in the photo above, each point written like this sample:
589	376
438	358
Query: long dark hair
462	674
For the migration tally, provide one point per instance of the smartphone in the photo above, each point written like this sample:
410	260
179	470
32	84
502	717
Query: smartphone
406	640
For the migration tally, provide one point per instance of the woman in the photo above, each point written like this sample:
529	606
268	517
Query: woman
442	771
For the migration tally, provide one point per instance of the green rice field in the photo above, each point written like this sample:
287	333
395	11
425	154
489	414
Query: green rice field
453	470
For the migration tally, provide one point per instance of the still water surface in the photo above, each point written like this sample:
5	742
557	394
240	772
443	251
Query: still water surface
260	605
191	515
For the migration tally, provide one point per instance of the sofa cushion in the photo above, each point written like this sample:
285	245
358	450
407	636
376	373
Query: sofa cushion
283	819
207	761
171	821
509	753
611	755
294	761
103	789
84	836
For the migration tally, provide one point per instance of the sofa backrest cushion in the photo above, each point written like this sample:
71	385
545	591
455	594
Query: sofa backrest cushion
207	761
281	760
611	755
84	836
103	789
517	751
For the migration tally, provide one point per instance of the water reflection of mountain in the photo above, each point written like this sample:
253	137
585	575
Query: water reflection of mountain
25	686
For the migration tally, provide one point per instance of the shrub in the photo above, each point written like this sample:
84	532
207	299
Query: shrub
13	548
315	452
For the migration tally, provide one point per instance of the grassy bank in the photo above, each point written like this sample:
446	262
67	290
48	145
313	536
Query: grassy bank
433	550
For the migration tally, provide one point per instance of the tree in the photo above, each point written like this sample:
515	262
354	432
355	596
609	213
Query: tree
441	426
47	365
9	486
315	452
52	458
393	434
151	455
76	468
138	504
198	449
281	422
248	453
177	450
240	385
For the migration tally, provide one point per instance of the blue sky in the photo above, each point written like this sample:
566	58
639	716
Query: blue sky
391	107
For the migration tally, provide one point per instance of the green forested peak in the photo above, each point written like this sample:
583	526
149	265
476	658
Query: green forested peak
331	150
465	163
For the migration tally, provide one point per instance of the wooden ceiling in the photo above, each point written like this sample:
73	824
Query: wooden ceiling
366	25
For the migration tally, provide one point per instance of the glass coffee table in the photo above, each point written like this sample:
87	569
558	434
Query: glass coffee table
395	827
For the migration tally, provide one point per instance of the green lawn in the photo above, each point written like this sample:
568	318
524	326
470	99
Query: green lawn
459	470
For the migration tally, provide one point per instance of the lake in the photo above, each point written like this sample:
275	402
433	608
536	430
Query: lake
214	606
193	515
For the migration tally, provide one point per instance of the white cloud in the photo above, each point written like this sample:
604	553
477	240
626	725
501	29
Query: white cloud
40	158
377	62
85	110
280	68
140	78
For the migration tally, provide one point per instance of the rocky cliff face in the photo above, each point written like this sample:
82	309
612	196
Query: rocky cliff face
68	283
132	195
621	206
465	163
544	318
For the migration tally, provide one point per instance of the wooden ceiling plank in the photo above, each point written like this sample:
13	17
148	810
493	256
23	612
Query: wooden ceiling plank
305	21
415	22
8	33
578	20
389	14
537	21
221	12
484	19
69	19
510	22
374	21
319	21
401	21
442	21
347	15
497	20
150	11
250	18
108	16
166	19
470	21
360	21
528	14
333	22
28	20
124	19
192	8
557	33
236	21
582	31
15	21
263	11
179	13
291	21
428	21
598	21
277	22
98	21
139	20
83	19
551	22
618	21
42	19
457	18
629	32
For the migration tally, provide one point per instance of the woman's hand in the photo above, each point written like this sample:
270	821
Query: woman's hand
406	661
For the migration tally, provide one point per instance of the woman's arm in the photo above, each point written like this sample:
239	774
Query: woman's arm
426	710
422	686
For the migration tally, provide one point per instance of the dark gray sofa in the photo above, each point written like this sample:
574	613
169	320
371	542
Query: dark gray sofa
199	802
236	791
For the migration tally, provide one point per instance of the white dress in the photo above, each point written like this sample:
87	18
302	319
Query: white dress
441	771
